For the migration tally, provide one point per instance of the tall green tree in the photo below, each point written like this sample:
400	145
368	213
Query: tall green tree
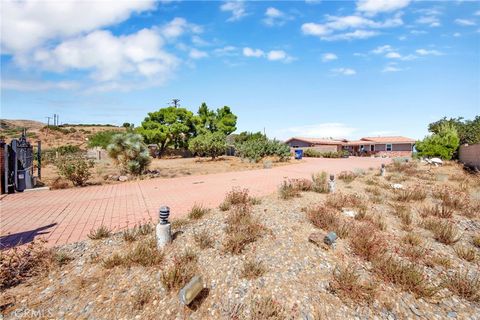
223	120
169	126
468	130
444	143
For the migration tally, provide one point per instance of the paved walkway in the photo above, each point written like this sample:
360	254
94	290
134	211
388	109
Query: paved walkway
65	216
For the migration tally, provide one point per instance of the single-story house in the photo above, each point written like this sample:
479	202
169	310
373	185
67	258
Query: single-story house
395	146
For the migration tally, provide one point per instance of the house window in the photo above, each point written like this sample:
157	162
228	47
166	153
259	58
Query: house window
372	147
362	147
389	147
295	147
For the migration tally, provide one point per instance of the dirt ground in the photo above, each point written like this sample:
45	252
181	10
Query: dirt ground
280	274
170	168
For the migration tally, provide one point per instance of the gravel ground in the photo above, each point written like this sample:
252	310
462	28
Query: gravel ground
297	272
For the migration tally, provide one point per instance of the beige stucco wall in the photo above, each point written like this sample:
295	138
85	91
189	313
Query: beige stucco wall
470	155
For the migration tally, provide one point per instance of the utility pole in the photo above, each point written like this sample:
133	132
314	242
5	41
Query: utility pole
176	103
48	121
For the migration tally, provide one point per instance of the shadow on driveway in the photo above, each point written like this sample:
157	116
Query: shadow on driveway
18	239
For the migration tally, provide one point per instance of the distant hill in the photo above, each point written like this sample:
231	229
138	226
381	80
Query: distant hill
7	124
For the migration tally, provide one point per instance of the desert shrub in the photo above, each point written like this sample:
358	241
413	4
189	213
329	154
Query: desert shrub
416	193
466	253
256	149
183	268
476	241
99	233
266	308
442	144
288	190
145	254
440	211
141	298
302	184
443	231
346	283
59	183
409	168
312	153
61	258
405	274
320	182
203	239
367	243
252	269
374	190
464	285
412	239
50	155
129	152
323	217
472	210
101	139
197	212
451	198
235	197
129	235
75	169
241	229
18	264
347	176
208	144
438	260
339	200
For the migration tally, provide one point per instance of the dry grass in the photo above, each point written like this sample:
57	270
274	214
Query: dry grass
440	211
410	168
178	224
346	283
62	258
266	308
235	197
339	200
464	285
99	233
404	274
476	241
328	219
203	240
252	269
183	268
466	253
320	182
288	190
445	232
453	199
374	190
144	253
141	298
472	210
142	229
438	260
412	239
18	264
416	193
197	212
242	229
366	242
302	184
347	176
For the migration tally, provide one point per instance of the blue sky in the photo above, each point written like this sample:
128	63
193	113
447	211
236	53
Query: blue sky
296	68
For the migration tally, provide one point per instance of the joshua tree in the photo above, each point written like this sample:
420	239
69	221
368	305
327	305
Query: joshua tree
129	152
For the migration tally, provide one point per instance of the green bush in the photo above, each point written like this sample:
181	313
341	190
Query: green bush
101	139
256	149
74	168
442	144
208	144
129	152
50	155
317	154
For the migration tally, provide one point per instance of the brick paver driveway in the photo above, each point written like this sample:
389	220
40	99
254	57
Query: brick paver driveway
64	216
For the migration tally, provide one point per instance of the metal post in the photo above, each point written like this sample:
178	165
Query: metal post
163	230
39	159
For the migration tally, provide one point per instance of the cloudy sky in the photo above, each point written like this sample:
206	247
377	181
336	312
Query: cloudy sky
296	68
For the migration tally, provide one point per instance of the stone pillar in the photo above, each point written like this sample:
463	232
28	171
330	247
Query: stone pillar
163	230
331	184
383	170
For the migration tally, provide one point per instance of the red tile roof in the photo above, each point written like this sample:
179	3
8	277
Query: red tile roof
317	141
366	141
394	139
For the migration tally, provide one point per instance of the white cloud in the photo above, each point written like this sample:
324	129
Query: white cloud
29	85
425	52
249	52
432	21
372	7
359	24
326	57
109	57
225	51
457	34
382	49
275	17
391	67
29	24
344	71
320	130
236	8
393	55
275	55
465	22
177	27
197	54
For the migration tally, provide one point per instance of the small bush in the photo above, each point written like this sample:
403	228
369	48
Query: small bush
235	197
129	235
374	190
366	243
183	269
113	261
266	308
320	182
439	211
442	261
75	169
302	184
197	212
208	144
407	275
141	298
288	190
59	183
323	217
464	285
466	253
99	233
145	253
412	194
18	264
412	239
446	233
476	241
101	139
256	149
203	240
312	153
252	269
339	200
347	176
242	229
346	283
129	152
451	198
62	258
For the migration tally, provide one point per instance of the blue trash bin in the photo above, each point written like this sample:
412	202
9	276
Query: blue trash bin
298	154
